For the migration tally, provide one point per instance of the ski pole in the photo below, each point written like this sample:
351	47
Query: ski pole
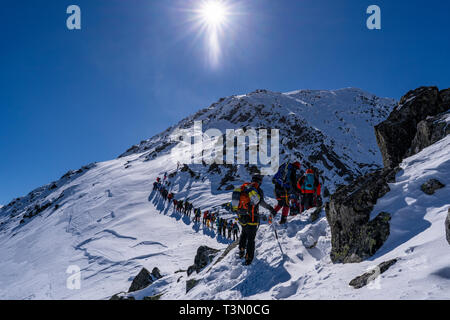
278	240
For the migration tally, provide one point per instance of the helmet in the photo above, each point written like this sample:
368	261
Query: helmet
309	171
297	164
257	178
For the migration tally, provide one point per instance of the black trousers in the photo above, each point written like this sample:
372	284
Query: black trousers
247	241
308	201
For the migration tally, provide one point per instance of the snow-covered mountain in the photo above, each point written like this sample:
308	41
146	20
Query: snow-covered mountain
105	219
332	130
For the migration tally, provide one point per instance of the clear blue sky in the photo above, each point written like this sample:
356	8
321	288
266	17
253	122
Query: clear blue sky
69	98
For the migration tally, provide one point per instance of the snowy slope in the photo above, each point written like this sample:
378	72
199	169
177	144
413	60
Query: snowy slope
417	240
105	219
110	225
107	223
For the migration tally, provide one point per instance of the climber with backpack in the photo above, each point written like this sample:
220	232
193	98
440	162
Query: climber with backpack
230	228
310	187
285	181
245	202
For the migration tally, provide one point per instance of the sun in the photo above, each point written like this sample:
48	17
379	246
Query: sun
214	13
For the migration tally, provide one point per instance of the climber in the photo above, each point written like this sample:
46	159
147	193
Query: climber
170	197
179	206
198	213
285	184
310	187
223	226
213	219
246	201
235	231
230	228
205	217
218	225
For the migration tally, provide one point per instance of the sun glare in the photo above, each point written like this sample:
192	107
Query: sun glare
214	19
214	12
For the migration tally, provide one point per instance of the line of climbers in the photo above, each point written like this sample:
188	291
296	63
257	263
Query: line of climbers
295	192
289	187
209	219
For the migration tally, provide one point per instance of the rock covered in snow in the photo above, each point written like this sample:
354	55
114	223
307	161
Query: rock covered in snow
203	257
396	134
431	186
367	277
354	236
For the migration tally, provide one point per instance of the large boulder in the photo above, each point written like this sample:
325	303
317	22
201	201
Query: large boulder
430	131
396	134
204	256
447	226
354	237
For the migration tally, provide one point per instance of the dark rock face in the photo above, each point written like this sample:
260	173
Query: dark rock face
156	274
354	237
190	284
396	134
203	257
121	297
447	226
431	186
364	279
144	279
141	281
430	131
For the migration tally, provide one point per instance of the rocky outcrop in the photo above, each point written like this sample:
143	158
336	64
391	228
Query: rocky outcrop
430	131
204	256
367	277
144	279
447	226
418	121
431	186
396	134
354	236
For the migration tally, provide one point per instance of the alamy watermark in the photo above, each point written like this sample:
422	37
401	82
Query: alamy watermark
73	22
73	281
197	147
374	21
